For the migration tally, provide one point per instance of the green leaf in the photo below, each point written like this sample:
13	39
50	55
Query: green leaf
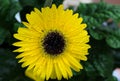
57	2
34	3
3	34
17	25
8	9
104	64
4	5
27	2
96	35
95	14
111	78
113	41
89	68
14	7
117	32
10	68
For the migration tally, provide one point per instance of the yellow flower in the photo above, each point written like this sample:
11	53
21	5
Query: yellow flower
52	44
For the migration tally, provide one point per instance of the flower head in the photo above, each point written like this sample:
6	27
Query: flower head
52	44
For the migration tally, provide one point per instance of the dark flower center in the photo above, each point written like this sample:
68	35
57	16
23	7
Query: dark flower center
54	43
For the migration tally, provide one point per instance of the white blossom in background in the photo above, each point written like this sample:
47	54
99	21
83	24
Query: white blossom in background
116	73
17	17
74	3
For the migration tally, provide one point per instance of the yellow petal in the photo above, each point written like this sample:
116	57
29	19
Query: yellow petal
29	61
58	72
43	72
53	74
62	68
49	68
74	63
27	32
29	73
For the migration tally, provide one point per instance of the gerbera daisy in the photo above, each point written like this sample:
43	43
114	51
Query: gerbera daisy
52	44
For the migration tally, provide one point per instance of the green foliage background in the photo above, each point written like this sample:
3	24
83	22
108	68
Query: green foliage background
104	54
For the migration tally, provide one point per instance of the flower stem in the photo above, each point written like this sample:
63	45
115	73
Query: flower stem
48	3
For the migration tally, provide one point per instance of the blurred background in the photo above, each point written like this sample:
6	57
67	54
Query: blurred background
103	24
110	1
